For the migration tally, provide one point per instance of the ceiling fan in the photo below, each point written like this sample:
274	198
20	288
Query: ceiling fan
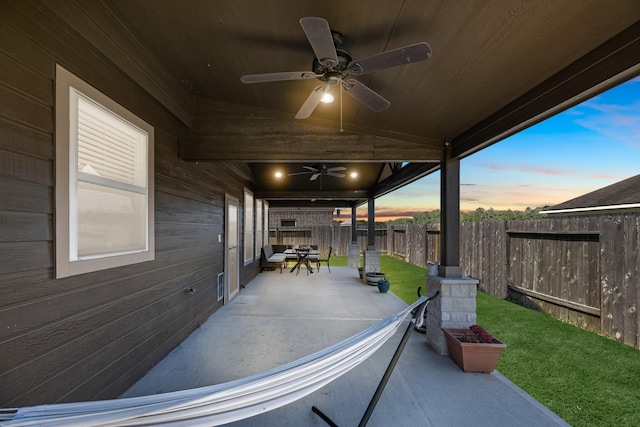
333	65
320	170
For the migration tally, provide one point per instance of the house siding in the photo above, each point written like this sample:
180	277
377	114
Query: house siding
92	336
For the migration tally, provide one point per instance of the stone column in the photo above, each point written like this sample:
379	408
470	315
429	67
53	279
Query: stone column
371	263
455	308
353	251
353	254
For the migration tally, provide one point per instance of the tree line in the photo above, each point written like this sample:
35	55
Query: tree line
480	214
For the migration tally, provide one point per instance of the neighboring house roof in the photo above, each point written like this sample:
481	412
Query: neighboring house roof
623	195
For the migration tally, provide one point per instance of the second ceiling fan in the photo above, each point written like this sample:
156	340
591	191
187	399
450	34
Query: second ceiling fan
333	65
320	170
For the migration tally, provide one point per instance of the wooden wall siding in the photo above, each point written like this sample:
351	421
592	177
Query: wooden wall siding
583	270
91	336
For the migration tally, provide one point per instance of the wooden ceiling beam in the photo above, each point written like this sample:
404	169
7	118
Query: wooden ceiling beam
224	132
318	203
308	195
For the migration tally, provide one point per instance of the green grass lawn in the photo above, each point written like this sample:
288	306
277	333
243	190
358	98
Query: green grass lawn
586	379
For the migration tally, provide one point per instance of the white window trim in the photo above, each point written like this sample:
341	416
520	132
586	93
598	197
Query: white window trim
64	265
265	226
249	228
259	235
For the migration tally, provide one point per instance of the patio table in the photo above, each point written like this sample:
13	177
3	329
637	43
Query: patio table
302	258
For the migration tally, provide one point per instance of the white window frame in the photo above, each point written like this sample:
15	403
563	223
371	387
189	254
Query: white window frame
248	226
265	227
68	88
259	239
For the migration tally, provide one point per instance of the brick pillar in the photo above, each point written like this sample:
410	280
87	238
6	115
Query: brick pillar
455	308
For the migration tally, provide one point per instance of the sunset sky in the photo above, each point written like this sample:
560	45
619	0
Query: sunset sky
590	146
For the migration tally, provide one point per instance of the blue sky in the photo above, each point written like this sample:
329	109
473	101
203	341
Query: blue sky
587	147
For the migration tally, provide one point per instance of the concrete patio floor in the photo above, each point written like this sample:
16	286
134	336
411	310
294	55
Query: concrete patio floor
279	318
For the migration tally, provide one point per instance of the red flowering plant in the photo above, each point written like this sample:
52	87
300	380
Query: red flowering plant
476	334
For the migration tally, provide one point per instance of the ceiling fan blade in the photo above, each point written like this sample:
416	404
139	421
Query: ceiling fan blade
312	101
298	173
275	77
315	176
336	168
336	174
311	168
391	58
365	95
319	36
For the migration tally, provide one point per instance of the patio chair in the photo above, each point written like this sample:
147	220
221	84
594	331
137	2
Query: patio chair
326	260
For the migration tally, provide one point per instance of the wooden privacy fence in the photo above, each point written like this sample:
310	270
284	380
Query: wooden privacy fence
583	270
324	236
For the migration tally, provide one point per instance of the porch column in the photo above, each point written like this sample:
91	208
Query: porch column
354	230
371	234
371	255
449	216
353	252
456	306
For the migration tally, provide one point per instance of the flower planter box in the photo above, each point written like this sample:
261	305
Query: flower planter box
473	356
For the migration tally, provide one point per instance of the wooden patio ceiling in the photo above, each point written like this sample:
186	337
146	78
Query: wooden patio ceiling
497	67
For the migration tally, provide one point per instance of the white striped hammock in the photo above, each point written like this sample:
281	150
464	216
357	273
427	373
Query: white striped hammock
222	403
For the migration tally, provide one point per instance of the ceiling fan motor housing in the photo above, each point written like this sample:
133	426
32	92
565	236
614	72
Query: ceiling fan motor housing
344	58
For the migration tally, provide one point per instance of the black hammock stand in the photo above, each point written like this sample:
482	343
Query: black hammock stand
418	316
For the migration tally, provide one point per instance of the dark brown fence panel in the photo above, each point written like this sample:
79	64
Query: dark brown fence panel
323	237
482	249
551	267
432	239
342	238
632	280
620	260
381	239
416	244
294	236
399	239
335	236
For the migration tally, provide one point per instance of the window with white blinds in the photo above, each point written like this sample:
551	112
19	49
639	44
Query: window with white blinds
111	180
104	174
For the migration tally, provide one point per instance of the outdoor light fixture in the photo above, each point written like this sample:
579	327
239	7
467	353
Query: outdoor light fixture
278	174
327	98
353	174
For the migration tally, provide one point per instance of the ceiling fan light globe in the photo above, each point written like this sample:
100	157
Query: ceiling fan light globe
327	98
